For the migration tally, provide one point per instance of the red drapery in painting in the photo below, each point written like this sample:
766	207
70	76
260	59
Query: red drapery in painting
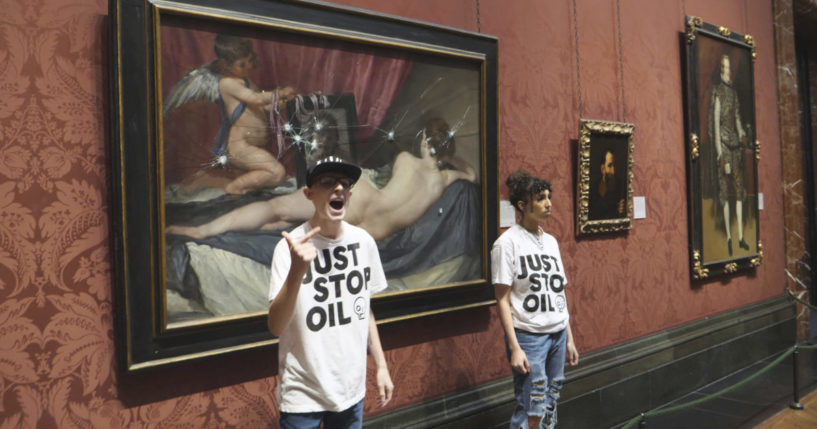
373	75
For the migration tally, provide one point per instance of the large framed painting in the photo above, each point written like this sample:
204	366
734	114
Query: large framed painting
219	108
604	191
722	150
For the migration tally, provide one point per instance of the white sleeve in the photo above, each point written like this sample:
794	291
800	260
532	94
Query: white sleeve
281	261
377	282
502	259
561	264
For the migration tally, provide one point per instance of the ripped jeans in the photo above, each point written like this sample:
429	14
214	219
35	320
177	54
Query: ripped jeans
538	391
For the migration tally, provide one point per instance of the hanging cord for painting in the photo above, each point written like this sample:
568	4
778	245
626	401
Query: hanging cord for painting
578	66
621	62
479	23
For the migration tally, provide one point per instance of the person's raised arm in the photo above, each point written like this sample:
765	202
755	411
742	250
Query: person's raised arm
519	361
464	170
235	88
302	252
385	387
284	94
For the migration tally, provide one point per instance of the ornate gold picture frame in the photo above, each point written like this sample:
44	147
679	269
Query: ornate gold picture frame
604	190
722	150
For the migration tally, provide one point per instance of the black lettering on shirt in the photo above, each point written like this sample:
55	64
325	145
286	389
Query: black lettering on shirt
535	285
353	247
318	317
546	265
531	303
323	264
542	302
556	263
557	283
354	277
367	275
341	261
337	279
322	291
523	267
311	323
342	320
333	273
534	263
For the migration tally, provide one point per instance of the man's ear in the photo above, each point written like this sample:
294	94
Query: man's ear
308	193
521	205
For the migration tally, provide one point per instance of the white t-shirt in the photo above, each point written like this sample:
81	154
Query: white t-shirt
532	266
322	351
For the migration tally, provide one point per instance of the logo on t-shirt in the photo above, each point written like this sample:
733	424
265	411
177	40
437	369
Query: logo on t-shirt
546	281
337	274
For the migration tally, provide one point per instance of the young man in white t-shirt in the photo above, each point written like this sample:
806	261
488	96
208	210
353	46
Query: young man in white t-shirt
323	274
529	284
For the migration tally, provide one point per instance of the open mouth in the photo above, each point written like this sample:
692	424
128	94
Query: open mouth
336	204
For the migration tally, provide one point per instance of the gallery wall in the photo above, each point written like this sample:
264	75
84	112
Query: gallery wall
559	61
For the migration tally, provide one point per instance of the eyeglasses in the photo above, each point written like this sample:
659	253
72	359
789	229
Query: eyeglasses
330	182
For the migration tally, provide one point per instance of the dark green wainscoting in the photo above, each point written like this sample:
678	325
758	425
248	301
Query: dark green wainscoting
619	382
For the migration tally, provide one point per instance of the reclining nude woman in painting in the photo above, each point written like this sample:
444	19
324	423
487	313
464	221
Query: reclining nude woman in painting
416	183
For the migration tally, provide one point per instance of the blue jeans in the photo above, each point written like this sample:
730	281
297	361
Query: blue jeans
350	418
538	391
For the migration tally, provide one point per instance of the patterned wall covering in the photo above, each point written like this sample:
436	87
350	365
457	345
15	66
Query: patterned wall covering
559	60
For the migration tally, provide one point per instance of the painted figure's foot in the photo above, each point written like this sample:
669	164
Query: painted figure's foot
729	246
743	245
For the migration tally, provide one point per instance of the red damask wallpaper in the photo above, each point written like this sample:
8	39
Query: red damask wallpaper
559	61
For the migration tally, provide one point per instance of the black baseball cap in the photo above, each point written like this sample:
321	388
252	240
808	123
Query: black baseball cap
332	164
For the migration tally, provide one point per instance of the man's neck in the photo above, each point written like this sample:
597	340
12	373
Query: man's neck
329	228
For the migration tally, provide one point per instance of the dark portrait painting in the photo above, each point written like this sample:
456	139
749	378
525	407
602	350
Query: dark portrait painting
604	193
722	150
608	178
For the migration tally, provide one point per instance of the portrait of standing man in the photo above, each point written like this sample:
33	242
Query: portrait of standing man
723	150
728	193
729	137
